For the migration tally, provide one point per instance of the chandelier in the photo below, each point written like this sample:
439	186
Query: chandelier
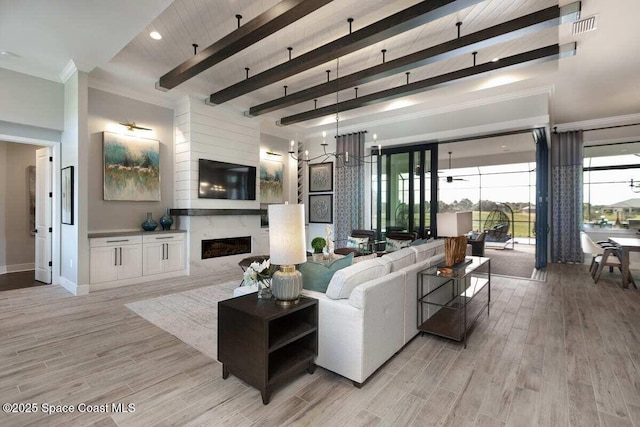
345	158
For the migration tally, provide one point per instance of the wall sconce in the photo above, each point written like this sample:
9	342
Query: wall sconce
131	126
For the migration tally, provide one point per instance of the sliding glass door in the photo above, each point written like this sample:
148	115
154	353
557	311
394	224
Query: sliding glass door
403	188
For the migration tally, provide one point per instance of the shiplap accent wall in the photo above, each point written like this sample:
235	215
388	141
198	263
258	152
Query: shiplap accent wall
206	132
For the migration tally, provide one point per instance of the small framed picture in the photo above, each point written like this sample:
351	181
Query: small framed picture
321	208
321	177
66	181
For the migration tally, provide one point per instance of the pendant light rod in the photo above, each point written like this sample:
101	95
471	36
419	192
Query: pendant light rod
274	19
500	33
398	23
534	56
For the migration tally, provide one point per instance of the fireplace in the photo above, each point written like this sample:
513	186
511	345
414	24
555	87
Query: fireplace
214	248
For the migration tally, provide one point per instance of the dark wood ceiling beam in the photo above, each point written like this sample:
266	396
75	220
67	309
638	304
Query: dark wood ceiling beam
265	24
534	56
500	33
407	19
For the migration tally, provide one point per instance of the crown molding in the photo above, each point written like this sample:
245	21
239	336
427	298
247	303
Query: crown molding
598	123
68	71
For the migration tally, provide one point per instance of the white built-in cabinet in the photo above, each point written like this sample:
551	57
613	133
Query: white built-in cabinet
163	254
125	259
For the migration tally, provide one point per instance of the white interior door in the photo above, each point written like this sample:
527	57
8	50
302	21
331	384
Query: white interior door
43	215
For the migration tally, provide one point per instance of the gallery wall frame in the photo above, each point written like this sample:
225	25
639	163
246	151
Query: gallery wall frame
66	195
321	177
131	168
321	208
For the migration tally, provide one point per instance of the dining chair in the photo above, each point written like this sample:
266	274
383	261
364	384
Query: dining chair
602	256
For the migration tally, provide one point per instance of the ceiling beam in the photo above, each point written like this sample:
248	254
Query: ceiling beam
265	24
407	19
500	33
534	56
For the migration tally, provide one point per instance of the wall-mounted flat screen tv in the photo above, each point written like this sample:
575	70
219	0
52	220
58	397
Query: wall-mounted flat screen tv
220	180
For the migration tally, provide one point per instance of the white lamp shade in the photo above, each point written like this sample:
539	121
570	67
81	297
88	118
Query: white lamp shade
454	224
287	242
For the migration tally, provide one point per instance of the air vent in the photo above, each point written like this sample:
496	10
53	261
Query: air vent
585	25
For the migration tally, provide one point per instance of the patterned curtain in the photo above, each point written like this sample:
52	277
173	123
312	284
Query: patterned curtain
349	186
566	197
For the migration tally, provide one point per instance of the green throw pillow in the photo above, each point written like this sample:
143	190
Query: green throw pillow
316	276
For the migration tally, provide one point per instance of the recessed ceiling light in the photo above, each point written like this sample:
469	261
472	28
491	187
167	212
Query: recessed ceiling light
495	60
504	146
155	35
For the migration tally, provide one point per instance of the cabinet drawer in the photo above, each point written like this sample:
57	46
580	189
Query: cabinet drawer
163	238
115	241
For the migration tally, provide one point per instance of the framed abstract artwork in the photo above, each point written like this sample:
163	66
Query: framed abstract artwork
131	168
321	177
271	182
321	208
66	196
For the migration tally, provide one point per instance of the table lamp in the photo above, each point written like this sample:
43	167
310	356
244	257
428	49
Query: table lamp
287	247
454	226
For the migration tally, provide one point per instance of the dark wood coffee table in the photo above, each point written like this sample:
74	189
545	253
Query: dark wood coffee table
264	344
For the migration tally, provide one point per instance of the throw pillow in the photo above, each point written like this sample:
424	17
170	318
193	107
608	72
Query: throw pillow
394	245
357	242
316	276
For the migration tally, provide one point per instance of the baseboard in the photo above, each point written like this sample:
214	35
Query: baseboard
73	287
15	268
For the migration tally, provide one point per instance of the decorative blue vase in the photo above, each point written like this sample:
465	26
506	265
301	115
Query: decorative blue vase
149	224
166	220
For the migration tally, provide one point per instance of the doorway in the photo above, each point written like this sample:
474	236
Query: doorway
25	215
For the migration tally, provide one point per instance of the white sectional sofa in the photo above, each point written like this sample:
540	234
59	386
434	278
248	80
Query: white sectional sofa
369	311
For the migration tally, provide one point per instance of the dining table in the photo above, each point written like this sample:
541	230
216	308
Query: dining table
626	245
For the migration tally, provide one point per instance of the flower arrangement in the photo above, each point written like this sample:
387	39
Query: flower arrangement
260	273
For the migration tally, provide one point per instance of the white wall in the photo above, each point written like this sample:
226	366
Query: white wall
74	244
206	132
106	111
31	101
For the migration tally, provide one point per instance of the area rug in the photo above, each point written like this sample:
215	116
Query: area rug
190	316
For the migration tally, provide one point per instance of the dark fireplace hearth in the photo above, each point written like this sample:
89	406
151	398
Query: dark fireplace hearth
214	248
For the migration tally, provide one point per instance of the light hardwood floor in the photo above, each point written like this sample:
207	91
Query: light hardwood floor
564	352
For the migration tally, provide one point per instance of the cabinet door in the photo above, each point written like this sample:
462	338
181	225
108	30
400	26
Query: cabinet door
152	262
130	261
175	257
103	265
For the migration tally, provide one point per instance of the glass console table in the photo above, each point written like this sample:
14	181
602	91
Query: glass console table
451	299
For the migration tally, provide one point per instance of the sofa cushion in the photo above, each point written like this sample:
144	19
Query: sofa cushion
345	280
395	245
316	276
365	258
399	259
428	249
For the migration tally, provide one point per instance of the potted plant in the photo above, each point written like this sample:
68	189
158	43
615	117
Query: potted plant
318	245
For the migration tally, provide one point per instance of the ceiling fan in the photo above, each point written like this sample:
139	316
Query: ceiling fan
132	126
450	178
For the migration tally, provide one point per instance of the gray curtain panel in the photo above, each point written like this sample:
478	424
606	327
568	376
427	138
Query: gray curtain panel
566	196
349	187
